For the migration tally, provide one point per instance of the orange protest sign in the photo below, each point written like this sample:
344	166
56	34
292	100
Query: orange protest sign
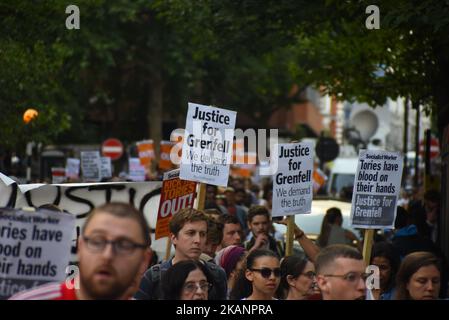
246	167
176	194
238	151
146	152
165	162
319	179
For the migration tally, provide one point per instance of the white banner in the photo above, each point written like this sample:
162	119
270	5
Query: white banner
80	198
292	182
34	248
376	188
207	146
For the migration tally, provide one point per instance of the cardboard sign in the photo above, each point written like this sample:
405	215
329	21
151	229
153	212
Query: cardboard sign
91	165
58	175
376	188
292	182
105	167
247	167
165	162
146	152
72	168
34	248
207	146
136	170
176	194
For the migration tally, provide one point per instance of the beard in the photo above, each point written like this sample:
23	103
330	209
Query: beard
104	289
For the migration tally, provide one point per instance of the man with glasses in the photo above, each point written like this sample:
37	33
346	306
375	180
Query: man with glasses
188	233
113	250
341	273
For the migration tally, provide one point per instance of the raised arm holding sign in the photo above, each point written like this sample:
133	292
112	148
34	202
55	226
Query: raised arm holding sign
292	183
207	146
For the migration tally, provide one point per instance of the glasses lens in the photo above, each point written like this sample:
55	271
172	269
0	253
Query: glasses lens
352	277
204	286
190	287
96	244
277	272
310	274
265	272
124	247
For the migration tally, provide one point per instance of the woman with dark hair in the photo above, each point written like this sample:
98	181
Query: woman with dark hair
231	260
259	279
297	278
332	231
186	280
387	260
419	277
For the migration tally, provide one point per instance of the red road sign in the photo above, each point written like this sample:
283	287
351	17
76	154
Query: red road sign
112	148
434	148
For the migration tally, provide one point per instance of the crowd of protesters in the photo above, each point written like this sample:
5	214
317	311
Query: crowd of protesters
231	250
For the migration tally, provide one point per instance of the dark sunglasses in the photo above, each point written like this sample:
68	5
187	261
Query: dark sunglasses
266	272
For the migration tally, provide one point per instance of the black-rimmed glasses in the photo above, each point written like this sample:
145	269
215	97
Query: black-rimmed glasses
121	247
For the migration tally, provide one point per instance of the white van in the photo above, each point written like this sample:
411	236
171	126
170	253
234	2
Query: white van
342	175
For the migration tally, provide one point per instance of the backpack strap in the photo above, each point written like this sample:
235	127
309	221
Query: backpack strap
155	273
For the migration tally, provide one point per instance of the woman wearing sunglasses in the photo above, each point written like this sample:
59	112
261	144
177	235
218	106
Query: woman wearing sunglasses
186	280
297	279
260	278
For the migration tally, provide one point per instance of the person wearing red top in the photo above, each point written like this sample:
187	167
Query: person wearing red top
113	252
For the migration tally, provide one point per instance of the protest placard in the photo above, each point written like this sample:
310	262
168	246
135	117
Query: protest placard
176	194
105	167
58	175
72	168
247	167
376	188
292	182
164	161
80	198
146	152
91	165
207	145
136	170
34	248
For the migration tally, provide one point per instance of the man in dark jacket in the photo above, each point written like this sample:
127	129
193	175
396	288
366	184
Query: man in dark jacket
259	221
188	233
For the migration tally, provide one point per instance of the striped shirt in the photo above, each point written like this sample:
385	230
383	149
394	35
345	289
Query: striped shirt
49	291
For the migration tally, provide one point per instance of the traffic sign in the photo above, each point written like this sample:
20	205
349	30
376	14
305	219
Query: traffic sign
434	148
112	148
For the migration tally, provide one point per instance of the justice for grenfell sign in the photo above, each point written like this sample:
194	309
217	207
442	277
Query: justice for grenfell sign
207	146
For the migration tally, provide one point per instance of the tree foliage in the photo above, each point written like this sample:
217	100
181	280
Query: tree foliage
246	55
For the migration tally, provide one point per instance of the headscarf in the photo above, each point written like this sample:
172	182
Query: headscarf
228	257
